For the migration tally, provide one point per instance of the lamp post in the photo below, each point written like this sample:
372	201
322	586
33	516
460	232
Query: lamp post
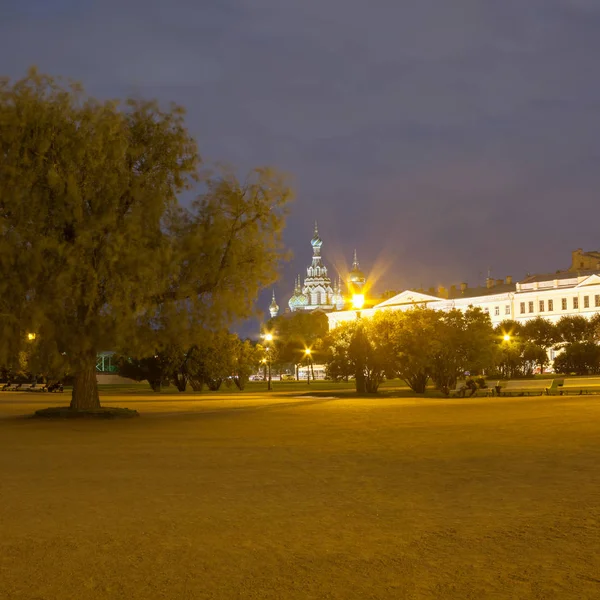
358	301
307	353
268	339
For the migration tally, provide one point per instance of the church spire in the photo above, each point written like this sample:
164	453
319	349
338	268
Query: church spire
356	278
273	307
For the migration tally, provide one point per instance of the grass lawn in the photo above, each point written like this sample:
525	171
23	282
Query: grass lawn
278	497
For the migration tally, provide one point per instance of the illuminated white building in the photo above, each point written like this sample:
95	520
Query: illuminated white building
317	292
552	296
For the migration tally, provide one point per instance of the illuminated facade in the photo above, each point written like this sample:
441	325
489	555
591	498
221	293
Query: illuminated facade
549	296
317	292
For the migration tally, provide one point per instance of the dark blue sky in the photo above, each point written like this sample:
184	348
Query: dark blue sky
437	137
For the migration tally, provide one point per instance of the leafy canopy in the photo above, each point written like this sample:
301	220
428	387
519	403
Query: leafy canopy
96	251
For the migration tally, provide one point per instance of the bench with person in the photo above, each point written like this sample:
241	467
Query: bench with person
11	387
36	387
525	387
580	385
462	387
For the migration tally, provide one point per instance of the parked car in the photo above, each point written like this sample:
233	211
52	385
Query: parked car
288	377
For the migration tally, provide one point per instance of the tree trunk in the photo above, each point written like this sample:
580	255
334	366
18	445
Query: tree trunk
197	384
85	389
359	376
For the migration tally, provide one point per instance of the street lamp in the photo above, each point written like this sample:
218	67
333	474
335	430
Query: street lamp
506	337
31	337
307	353
358	301
268	338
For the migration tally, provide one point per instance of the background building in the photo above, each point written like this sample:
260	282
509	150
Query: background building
552	296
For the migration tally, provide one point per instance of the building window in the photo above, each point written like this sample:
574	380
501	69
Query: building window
575	302
507	309
563	303
522	308
597	300
531	307
496	311
541	306
586	302
550	305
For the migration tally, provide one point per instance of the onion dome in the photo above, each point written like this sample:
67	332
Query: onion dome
298	299
356	276
316	241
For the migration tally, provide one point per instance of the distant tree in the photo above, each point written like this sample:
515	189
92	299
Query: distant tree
580	358
541	335
358	348
414	346
159	369
574	329
335	348
463	342
95	249
295	332
246	361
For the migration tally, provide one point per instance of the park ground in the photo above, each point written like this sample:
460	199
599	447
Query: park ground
287	496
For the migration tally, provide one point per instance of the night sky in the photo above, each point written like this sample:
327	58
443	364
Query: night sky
440	138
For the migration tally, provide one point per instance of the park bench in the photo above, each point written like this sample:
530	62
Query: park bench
521	388
36	387
580	385
461	389
12	387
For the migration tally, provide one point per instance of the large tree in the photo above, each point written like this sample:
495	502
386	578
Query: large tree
96	251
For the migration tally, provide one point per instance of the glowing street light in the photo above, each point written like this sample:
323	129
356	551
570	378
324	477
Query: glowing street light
308	355
268	338
31	337
506	337
358	301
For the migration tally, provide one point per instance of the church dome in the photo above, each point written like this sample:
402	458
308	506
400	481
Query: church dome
316	241
356	275
298	299
302	299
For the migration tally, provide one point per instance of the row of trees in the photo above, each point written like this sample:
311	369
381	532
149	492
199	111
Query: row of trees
216	358
422	345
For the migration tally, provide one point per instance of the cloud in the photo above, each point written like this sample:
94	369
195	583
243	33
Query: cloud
438	135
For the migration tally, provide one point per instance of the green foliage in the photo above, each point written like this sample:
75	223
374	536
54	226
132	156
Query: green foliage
574	329
464	342
541	332
526	348
95	250
217	357
416	345
335	348
293	333
580	358
158	369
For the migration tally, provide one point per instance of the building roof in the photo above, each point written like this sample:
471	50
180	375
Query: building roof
559	275
482	290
